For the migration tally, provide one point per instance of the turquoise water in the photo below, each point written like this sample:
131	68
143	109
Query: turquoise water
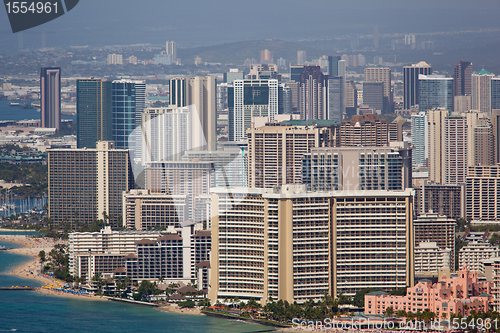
27	311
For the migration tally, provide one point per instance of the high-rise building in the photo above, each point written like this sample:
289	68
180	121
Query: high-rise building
301	58
462	76
351	98
373	95
375	37
335	98
233	74
455	153
128	102
266	57
167	133
371	240
249	99
436	129
189	178
143	210
495	93
358	168
267	260
87	184
263	72
484	145
94	114
495	123
50	97
201	93
312	85
255	239
333	66
483	193
171	48
380	74
410	82
296	72
481	91
275	153
432	227
419	138
462	103
115	59
435	91
365	130
447	200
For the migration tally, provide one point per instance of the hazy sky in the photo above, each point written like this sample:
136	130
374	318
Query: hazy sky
197	22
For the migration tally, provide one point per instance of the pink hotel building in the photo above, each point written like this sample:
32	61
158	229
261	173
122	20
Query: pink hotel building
458	295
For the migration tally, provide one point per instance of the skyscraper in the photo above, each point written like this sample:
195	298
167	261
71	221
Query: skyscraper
495	93
435	91
94	112
358	168
375	37
336	98
275	153
410	82
419	138
380	74
462	76
248	99
171	48
128	102
481	91
301	57
344	236
364	130
87	184
50	97
312	84
436	128
200	92
484	146
333	67
373	95
455	166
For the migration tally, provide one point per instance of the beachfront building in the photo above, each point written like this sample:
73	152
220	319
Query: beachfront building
140	255
87	184
101	252
290	244
455	295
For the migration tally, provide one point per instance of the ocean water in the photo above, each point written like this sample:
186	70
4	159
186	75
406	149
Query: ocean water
17	113
28	311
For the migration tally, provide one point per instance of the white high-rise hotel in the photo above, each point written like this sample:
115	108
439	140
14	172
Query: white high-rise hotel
252	98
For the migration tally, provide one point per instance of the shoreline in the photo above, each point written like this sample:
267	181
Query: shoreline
30	269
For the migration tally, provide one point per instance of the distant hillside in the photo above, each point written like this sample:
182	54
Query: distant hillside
236	53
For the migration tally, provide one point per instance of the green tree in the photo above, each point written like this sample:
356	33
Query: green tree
389	311
359	298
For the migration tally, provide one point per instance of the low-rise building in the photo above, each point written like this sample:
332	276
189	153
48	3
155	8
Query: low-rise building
458	294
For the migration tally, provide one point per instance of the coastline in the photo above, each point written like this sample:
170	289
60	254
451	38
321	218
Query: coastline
31	246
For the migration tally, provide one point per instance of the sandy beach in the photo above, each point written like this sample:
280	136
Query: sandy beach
31	246
174	308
